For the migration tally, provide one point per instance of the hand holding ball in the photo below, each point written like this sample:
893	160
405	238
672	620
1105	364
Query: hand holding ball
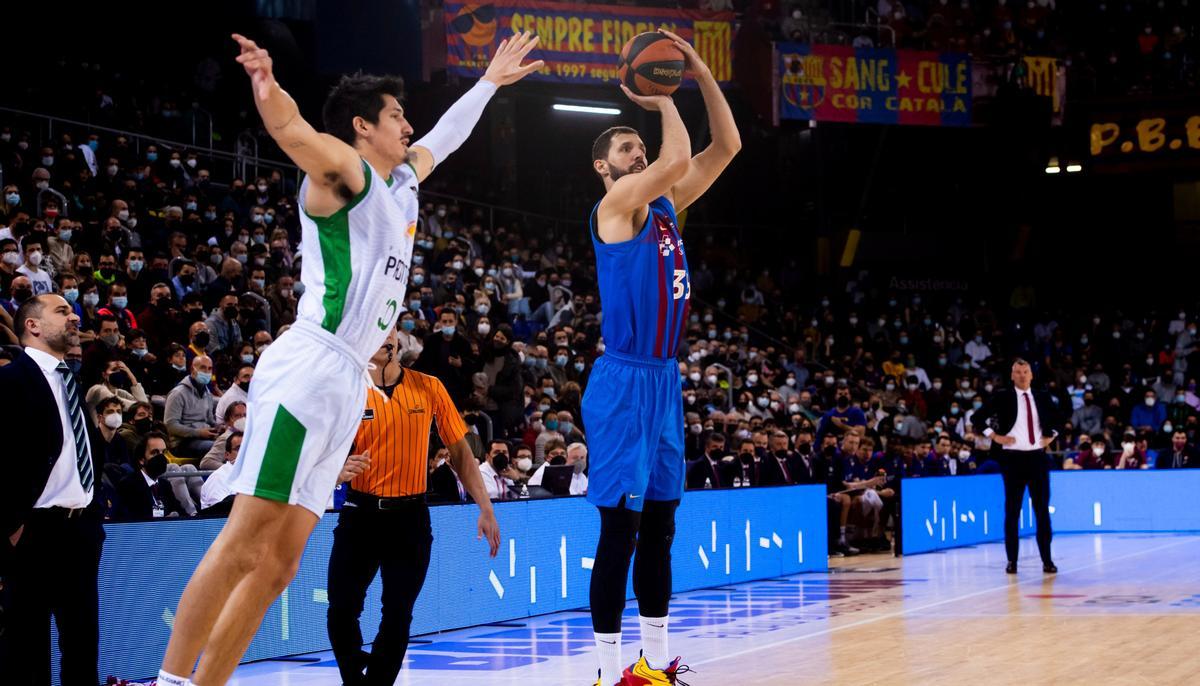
651	64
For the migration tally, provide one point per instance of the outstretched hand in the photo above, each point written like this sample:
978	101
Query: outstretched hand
489	528
257	64
505	67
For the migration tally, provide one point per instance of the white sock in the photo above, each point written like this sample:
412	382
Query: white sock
608	647
654	641
842	535
167	679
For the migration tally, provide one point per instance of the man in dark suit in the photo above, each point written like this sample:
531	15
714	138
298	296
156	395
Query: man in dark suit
139	494
774	470
1180	456
708	468
1022	422
50	518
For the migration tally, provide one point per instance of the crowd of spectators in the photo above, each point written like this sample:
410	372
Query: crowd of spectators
1109	47
181	283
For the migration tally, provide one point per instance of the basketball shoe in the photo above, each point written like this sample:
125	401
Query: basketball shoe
640	674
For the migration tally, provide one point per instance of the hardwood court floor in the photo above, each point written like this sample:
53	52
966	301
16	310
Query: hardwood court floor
1124	609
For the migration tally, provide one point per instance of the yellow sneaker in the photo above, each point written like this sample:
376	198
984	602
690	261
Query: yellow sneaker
640	674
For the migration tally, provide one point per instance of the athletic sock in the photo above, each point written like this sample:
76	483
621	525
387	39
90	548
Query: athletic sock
608	648
654	642
167	679
842	535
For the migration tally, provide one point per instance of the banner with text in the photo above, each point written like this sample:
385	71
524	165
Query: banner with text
874	86
579	43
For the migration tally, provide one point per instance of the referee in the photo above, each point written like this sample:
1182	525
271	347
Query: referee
384	524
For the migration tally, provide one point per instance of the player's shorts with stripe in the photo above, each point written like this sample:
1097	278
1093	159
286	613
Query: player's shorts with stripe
304	408
633	411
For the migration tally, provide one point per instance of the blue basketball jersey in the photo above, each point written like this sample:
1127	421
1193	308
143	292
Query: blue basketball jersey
645	289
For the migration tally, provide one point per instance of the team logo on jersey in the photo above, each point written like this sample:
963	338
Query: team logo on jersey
666	246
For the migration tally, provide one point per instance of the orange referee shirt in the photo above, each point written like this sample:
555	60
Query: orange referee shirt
396	431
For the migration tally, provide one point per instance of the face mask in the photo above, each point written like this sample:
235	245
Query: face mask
890	387
120	302
418	279
178	367
829	380
552	425
123	215
1167	428
12	259
201	340
248	359
203	378
953	411
448	330
113	420
484	329
457	265
988	388
110	340
12	198
560	360
844	402
937	385
1150	402
711	379
977	405
71	294
156	466
579	367
524	464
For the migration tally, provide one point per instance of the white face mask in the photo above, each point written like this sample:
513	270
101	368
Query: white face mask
711	379
1098	450
524	464
239	424
35	257
484	329
113	420
695	377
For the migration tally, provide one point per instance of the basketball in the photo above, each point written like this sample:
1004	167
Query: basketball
651	64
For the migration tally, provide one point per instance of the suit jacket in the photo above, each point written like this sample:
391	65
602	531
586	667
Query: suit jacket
33	446
700	470
999	413
1166	458
771	470
443	485
135	500
816	472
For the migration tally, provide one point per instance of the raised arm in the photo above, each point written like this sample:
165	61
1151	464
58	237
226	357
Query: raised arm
331	164
632	192
726	141
456	124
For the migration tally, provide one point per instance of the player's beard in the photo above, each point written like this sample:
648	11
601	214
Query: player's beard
616	172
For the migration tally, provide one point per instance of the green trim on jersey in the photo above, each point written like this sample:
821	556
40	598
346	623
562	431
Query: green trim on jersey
333	233
278	471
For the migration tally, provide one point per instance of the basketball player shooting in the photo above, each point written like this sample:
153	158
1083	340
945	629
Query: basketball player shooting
358	221
634	401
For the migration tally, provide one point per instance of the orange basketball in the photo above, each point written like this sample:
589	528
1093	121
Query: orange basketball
651	64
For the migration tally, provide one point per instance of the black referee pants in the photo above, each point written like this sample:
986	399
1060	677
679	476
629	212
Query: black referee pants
396	543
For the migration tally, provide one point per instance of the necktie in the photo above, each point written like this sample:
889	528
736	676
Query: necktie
501	491
1029	418
83	451
716	481
787	479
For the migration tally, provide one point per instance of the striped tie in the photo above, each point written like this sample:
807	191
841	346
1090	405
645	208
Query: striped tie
83	450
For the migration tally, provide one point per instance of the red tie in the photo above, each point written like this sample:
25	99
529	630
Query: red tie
1029	418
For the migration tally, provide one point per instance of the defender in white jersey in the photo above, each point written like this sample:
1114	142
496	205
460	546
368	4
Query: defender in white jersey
359	202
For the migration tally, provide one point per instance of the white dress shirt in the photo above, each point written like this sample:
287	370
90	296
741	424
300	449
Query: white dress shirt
1020	430
232	395
216	487
63	488
496	485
